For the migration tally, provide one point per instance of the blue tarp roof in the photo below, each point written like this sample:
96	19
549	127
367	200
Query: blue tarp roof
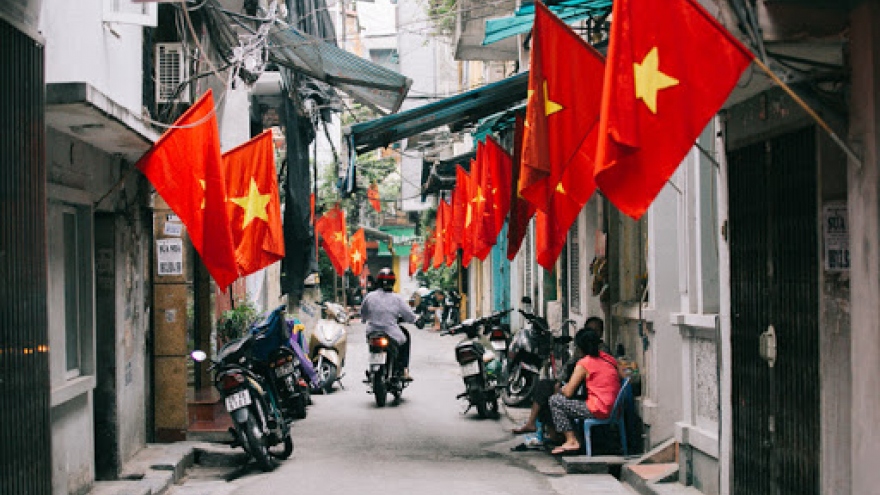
569	11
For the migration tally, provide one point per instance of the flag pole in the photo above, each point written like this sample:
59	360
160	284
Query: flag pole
846	149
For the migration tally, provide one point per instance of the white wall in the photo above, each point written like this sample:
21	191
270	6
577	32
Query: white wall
80	47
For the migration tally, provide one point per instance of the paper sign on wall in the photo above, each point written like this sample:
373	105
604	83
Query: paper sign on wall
169	254
835	230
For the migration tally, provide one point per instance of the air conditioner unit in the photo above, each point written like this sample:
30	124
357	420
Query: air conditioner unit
171	71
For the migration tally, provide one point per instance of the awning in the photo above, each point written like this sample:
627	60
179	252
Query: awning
457	110
81	111
570	11
440	175
365	81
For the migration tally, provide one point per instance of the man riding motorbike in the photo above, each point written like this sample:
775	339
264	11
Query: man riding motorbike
383	310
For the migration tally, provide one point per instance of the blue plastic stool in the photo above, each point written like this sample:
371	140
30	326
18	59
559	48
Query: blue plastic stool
615	418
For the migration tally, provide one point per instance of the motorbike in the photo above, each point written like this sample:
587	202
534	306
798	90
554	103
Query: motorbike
384	374
534	353
259	426
280	360
327	344
451	309
422	300
499	338
479	368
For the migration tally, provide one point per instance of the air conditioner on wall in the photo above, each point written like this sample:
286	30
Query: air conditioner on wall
171	71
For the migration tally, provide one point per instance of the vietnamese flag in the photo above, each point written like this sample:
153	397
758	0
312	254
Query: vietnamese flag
373	196
357	252
665	80
468	215
460	200
562	112
253	204
552	226
428	254
481	246
498	163
451	250
439	254
521	211
415	258
186	168
331	227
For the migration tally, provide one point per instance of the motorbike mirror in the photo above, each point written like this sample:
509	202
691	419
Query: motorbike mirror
198	356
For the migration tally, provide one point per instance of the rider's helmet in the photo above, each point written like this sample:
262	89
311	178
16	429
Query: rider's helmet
386	279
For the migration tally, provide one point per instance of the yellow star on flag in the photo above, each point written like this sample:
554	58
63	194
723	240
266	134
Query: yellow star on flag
202	183
560	189
649	80
356	256
338	237
550	106
479	197
254	204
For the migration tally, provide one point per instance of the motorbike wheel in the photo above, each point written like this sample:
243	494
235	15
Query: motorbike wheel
379	387
326	376
287	449
300	405
518	389
256	445
482	410
420	323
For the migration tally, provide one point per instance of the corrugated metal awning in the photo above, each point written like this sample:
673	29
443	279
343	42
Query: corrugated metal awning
457	110
365	81
570	11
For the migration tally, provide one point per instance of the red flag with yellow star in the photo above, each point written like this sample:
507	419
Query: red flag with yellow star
253	204
562	112
331	227
482	241
467	213
665	80
428	253
521	211
373	196
460	198
415	258
439	255
497	191
357	252
186	168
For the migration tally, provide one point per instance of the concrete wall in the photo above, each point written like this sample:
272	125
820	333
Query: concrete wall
81	47
864	217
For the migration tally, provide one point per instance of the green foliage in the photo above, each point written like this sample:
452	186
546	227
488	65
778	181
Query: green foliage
445	277
233	323
442	14
325	268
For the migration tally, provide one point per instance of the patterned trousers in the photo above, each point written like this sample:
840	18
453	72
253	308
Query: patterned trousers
565	410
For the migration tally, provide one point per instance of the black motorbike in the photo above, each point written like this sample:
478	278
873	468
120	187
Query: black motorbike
259	426
385	373
451	309
534	353
479	368
278	358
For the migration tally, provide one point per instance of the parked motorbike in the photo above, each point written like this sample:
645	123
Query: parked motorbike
451	309
533	354
499	338
259	426
422	300
479	368
327	344
279	359
385	374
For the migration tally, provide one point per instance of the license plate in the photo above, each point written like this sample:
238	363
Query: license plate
238	400
377	358
499	345
470	369
284	370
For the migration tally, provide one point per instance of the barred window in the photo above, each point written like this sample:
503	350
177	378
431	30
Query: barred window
574	269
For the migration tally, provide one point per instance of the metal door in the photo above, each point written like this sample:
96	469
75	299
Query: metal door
774	311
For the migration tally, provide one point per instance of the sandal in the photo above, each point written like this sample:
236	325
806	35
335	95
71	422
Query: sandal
519	430
566	450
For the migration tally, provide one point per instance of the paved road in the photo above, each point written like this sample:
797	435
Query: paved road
423	445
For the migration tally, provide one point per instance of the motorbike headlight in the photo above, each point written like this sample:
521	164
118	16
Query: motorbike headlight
329	332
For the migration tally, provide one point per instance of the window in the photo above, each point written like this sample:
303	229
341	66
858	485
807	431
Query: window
131	12
574	267
72	299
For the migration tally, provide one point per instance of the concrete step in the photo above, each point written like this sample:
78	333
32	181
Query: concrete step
601	464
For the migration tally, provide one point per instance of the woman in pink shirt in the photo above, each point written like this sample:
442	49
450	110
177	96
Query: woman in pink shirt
598	370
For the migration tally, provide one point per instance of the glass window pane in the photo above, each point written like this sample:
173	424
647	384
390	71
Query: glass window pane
71	291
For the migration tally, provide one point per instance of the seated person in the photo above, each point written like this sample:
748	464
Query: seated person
548	386
598	371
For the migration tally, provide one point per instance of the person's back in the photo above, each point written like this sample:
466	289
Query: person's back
603	383
383	310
